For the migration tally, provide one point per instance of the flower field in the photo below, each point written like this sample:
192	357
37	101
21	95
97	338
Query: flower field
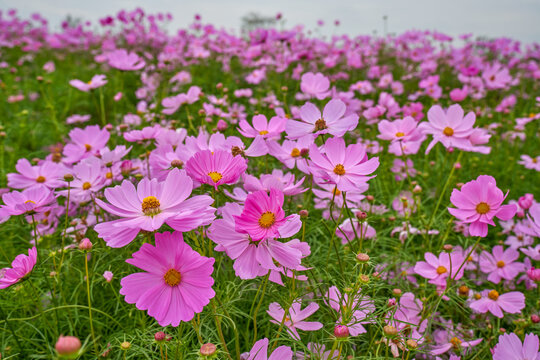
203	194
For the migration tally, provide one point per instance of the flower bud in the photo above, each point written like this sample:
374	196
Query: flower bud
412	344
534	274
361	215
463	291
125	345
363	258
535	319
391	302
448	248
67	345
68	177
526	201
397	292
370	198
177	163
390	331
85	244
221	125
159	336
417	189
303	213
108	275
208	349
341	331
364	278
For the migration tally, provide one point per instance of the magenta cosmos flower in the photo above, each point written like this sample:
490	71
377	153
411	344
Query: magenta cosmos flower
177	281
152	204
35	199
438	269
216	168
259	351
255	258
96	82
511	348
452	128
295	317
500	264
20	267
85	143
346	167
331	121
478	202
46	173
512	302
263	216
399	130
122	60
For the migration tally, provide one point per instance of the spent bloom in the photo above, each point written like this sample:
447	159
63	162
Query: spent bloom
176	282
478	202
150	205
21	266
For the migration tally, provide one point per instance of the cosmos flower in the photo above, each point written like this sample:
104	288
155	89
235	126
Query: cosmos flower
259	351
96	82
46	173
346	167
315	85
122	60
150	205
35	199
438	269
332	120
295	318
500	264
511	302
176	282
263	217
263	127
478	202
510	347
85	143
20	267
216	168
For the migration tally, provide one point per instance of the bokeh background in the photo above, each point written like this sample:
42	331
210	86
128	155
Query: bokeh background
517	19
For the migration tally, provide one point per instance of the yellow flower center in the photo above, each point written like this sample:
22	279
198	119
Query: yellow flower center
109	175
500	264
172	277
267	219
215	176
320	125
448	131
295	152
482	208
493	295
455	342
86	185
29	201
339	169
263	132
441	270
400	134
88	147
89	82
150	206
336	191
41	179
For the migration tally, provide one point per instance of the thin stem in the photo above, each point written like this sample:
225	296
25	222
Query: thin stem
90	302
218	327
258	307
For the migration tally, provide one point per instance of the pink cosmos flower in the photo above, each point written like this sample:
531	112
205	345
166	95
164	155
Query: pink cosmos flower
437	270
277	180
89	177
177	281
332	121
452	129
108	276
315	85
511	302
404	130
77	119
346	167
150	205
295	317
511	348
263	216
261	127
165	158
254	258
20	267
496	77
478	202
532	252
46	173
353	309
85	143
500	264
458	95
216	168
96	82
259	351
532	163
35	199
292	153
146	133
122	60
452	341
173	103
347	233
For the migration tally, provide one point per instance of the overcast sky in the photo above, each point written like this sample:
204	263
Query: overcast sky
518	19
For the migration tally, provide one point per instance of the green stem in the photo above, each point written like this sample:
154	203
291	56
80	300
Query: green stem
89	302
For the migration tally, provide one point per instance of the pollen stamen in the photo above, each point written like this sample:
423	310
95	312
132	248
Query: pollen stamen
172	277
267	219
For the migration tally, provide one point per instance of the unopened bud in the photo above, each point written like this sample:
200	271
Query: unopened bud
397	292
68	177
159	336
125	345
370	198
341	331
221	125
208	349
363	278
448	248
85	244
417	189
363	258
412	344
177	163
361	215
67	345
303	213
535	319
390	331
